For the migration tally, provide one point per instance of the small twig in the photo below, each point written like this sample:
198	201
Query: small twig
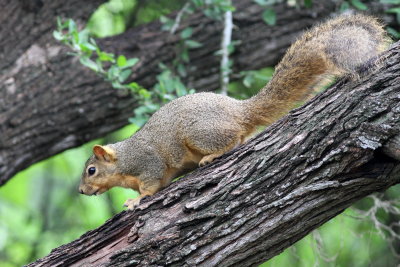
387	232
226	40
179	18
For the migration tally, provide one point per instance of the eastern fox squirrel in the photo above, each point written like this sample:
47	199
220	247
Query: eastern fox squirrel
195	129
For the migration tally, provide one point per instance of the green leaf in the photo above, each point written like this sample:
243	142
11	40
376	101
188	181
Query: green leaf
181	89
90	47
262	76
59	23
134	85
92	41
144	93
394	2
168	98
344	6
162	66
124	75
71	26
358	4
131	62
104	56
181	70
89	63
308	3
86	49
58	35
269	16
164	19
218	53
231	48
393	10
198	3
261	2
393	32
117	85
167	26
185	56
113	73
248	80
75	38
193	44
121	61
186	33
83	36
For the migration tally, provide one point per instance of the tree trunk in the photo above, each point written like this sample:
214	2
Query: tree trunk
259	199
50	102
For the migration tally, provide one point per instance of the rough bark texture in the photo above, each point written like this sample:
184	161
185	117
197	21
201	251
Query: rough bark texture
262	197
50	103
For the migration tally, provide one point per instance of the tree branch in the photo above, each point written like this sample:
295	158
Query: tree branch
225	42
262	197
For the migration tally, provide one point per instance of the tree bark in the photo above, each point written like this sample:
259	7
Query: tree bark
50	102
257	200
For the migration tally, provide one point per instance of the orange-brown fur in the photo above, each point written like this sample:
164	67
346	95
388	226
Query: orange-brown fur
195	129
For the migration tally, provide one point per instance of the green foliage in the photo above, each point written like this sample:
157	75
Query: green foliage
352	3
116	16
393	2
250	77
41	208
394	10
308	3
358	4
269	16
91	56
266	2
111	18
393	32
212	8
346	240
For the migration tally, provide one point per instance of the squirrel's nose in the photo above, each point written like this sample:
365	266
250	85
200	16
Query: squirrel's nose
80	190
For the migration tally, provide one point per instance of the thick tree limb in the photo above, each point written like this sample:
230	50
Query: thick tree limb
262	197
50	103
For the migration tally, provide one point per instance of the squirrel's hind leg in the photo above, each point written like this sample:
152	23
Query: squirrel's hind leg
209	157
213	138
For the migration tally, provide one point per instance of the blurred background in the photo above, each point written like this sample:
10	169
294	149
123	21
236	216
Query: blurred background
40	207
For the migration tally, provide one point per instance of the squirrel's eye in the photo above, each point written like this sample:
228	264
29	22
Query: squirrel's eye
91	170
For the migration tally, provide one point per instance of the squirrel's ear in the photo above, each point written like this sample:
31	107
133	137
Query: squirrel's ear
104	153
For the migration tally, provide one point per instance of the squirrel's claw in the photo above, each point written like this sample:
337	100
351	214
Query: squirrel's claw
131	203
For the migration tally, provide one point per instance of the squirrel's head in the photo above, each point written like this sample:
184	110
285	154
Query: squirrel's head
100	173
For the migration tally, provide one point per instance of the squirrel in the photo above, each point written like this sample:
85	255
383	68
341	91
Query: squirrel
195	129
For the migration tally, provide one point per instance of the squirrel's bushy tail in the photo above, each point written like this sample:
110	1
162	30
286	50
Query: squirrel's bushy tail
336	47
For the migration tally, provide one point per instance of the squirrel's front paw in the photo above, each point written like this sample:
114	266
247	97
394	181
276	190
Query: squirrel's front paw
131	203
